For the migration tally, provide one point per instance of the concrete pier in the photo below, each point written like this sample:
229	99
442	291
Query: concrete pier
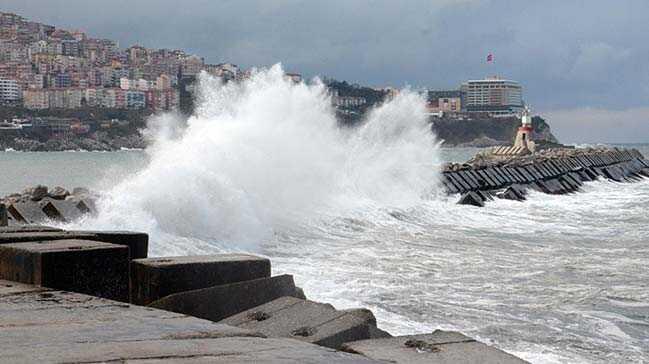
69	301
49	326
555	171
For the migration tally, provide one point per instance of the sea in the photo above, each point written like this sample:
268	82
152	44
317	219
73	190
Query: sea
358	217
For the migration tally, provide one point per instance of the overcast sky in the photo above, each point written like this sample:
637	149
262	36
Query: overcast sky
582	63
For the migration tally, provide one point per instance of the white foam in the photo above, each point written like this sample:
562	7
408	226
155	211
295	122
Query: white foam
267	153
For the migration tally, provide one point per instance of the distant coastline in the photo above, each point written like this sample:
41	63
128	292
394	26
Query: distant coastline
102	144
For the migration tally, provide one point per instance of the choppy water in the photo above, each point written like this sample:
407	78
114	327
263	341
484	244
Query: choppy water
359	222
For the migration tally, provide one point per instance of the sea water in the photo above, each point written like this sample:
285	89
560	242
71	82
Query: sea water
358	217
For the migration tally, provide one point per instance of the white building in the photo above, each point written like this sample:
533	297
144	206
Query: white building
493	95
140	85
9	90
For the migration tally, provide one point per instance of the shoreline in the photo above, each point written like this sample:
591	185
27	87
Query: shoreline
123	149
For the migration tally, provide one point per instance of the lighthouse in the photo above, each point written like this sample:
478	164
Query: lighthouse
524	135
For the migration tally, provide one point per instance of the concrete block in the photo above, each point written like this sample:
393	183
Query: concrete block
485	195
612	174
567	183
542	186
504	175
479	180
526	175
4	217
539	171
517	177
545	171
22	237
553	170
584	176
62	210
582	162
471	198
438	347
27	229
27	212
489	182
87	206
448	184
494	177
155	278
575	177
532	171
512	193
41	325
555	167
473	177
218	302
137	243
308	321
645	172
593	173
468	180
553	186
83	266
563	166
575	163
459	181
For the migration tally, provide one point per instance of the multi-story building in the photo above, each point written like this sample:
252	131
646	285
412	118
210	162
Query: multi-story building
62	80
141	84
70	47
36	99
294	77
348	101
9	91
92	95
137	55
57	68
163	82
493	95
135	99
162	100
444	101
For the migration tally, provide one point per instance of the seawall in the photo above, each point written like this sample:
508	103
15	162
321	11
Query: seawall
94	297
552	171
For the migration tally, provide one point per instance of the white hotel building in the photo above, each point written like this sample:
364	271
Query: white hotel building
493	95
9	90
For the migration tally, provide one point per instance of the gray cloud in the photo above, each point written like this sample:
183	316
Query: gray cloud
568	54
589	125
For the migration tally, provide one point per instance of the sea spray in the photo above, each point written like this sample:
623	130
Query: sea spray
266	154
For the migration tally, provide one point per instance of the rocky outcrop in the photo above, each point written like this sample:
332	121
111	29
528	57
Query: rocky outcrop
99	142
481	142
487	131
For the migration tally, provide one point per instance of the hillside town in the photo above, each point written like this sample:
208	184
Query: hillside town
65	84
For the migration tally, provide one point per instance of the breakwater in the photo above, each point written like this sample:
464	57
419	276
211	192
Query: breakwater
554	171
78	296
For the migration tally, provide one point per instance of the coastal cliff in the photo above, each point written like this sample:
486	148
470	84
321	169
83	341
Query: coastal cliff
487	131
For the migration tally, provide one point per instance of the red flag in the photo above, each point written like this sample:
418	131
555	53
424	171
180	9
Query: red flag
490	57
